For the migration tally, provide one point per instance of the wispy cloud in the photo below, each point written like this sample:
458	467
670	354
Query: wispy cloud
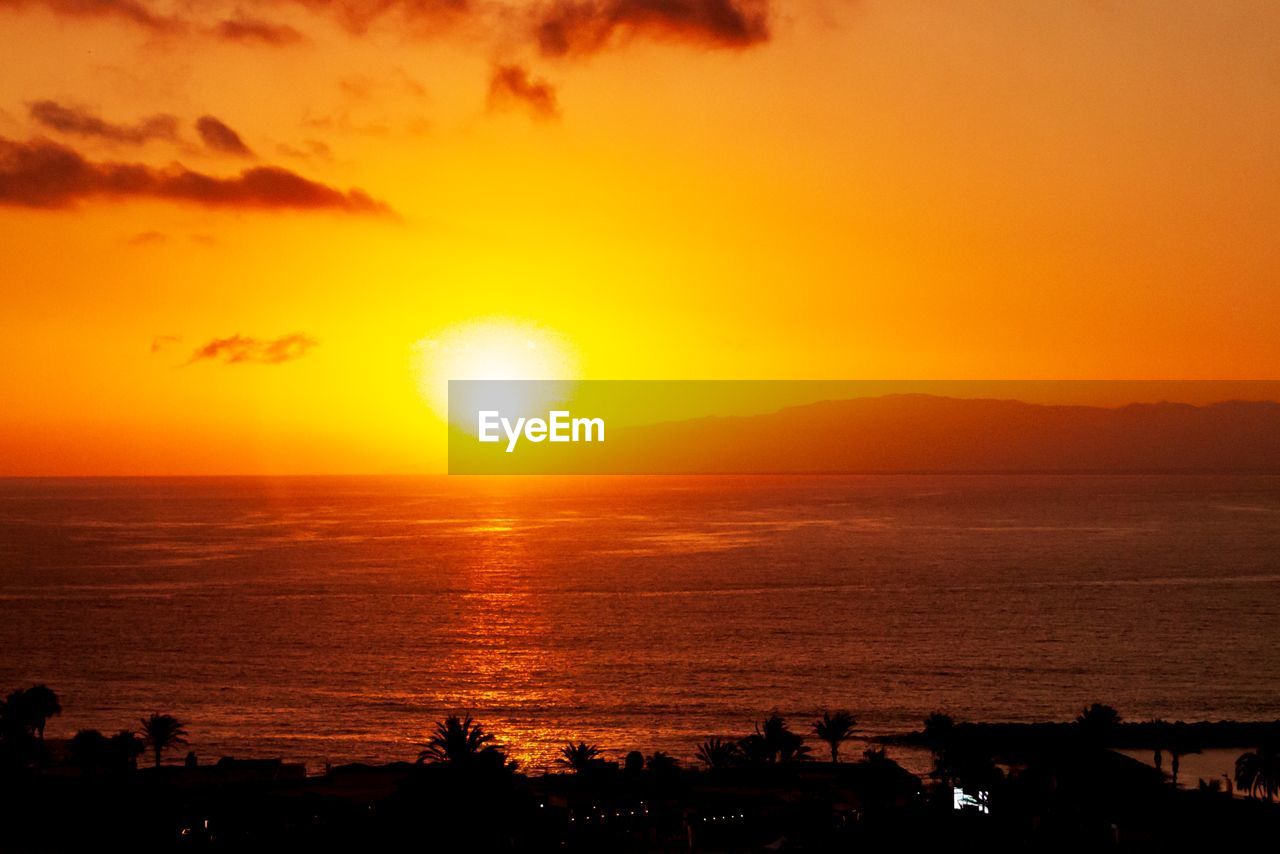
79	121
148	238
160	343
44	174
239	349
218	136
256	31
556	27
582	27
511	85
132	11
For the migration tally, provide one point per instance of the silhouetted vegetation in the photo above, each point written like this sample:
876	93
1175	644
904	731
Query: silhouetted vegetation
994	786
161	733
1258	772
580	757
835	729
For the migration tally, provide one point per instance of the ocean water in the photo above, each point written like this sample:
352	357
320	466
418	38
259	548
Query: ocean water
334	619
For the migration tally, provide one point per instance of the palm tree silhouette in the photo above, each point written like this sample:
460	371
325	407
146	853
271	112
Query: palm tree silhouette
162	732
718	754
457	741
773	741
1097	722
579	757
1259	771
835	729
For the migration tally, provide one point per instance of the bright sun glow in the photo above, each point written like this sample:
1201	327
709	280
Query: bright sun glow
490	349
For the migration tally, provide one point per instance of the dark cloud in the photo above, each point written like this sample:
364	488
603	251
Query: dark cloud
560	27
218	136
567	27
78	121
255	30
239	349
132	11
511	85
43	174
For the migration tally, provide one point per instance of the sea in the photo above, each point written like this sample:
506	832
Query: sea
331	620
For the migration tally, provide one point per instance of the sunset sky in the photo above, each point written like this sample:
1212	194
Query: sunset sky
258	237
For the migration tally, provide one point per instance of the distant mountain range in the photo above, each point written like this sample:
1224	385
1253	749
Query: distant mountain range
925	433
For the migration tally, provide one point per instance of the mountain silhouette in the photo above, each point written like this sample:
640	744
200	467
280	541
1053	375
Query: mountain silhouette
926	433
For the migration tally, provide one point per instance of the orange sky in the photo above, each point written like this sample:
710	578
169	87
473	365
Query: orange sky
617	189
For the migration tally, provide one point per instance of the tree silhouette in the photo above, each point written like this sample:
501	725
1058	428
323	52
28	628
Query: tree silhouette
458	741
579	757
162	732
1259	771
773	742
938	729
662	765
38	704
124	748
835	729
1097	722
90	750
718	754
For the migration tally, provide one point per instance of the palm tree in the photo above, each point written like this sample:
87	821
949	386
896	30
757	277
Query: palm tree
718	754
1097	722
835	729
579	757
1259	771
458	741
773	741
162	732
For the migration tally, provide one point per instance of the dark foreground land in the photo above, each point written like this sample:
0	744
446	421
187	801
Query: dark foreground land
995	787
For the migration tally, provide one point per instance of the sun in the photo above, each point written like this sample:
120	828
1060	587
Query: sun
490	349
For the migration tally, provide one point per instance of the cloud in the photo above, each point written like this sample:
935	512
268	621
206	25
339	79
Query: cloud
128	10
78	121
148	238
568	27
164	342
44	174
219	137
511	85
419	16
559	27
239	349
310	148
255	30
